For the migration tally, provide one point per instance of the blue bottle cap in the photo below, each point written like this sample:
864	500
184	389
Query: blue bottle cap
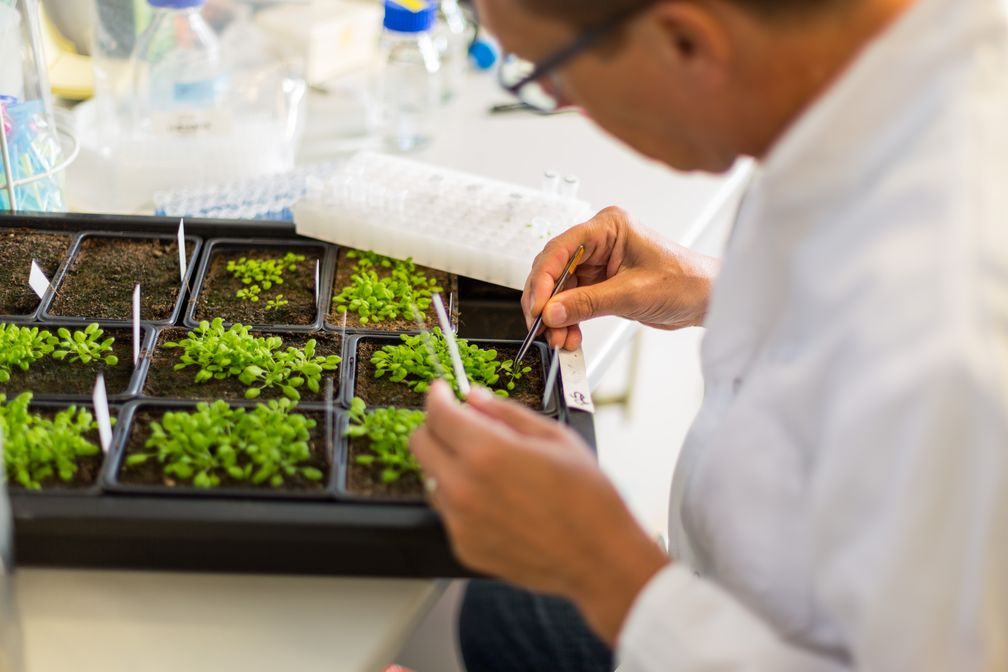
483	54
176	4
409	16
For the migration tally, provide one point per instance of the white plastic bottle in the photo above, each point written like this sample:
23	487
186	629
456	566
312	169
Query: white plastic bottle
408	79
452	35
179	78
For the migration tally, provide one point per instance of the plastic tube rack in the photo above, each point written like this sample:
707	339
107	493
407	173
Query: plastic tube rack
448	220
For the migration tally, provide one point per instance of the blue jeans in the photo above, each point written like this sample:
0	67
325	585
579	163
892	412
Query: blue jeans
504	629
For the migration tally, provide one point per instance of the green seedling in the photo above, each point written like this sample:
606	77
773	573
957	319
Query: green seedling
38	448
85	346
20	347
249	293
276	302
258	275
258	362
410	364
387	431
264	446
389	296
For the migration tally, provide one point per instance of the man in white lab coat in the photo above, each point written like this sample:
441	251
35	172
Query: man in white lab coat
841	502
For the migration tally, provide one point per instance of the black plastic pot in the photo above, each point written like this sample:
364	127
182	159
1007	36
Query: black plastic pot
225	245
131	390
33	315
93	490
450	296
144	390
111	480
353	355
46	315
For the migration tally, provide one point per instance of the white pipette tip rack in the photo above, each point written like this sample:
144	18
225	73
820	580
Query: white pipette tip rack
448	220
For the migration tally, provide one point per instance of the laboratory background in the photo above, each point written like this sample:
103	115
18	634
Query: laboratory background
270	225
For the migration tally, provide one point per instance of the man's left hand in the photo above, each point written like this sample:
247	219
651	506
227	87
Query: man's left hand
523	499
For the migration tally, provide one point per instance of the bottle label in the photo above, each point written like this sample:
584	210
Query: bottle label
191	122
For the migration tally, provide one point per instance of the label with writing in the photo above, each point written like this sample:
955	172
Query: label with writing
574	374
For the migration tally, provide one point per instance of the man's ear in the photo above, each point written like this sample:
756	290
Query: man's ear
696	37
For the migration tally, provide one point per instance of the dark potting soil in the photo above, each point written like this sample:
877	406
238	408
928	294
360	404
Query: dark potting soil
52	376
383	392
17	249
343	278
88	468
218	295
104	272
366	481
164	381
149	473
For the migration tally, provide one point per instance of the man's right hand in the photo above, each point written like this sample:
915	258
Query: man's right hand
626	271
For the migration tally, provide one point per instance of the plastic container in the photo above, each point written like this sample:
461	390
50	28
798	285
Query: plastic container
232	109
452	35
179	78
407	82
32	156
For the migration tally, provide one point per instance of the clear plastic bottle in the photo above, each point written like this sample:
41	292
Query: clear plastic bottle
452	35
179	77
408	79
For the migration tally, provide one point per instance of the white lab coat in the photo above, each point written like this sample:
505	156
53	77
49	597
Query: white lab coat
842	500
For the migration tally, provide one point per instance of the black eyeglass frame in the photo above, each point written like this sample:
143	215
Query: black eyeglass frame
577	46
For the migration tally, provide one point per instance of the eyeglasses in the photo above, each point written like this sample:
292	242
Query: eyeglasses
532	83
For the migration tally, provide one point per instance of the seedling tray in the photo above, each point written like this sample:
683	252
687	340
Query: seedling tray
329	531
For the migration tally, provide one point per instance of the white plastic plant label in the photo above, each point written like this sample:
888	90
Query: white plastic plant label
574	374
37	280
460	374
552	377
101	411
136	325
183	262
317	262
